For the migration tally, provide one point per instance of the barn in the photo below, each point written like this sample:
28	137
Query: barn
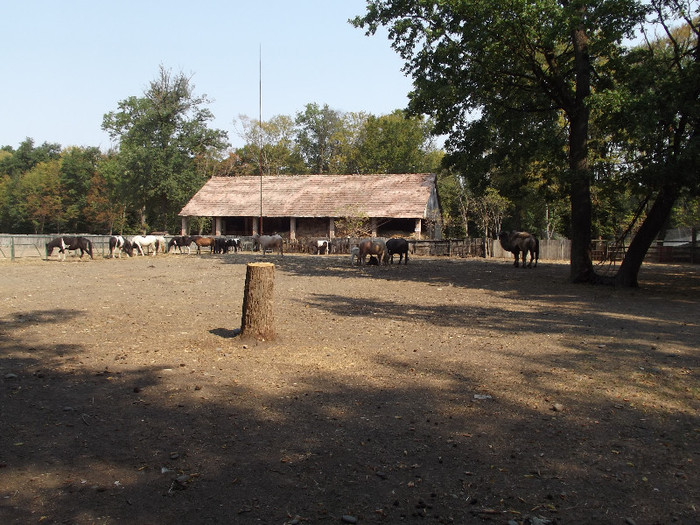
318	205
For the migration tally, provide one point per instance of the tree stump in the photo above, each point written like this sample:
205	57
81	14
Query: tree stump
257	320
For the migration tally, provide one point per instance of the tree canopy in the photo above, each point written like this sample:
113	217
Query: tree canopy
161	135
496	75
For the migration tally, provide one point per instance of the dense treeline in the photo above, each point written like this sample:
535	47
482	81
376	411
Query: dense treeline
166	151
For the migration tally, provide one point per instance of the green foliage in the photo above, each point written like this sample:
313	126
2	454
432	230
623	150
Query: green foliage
160	137
41	189
317	136
322	140
78	167
395	144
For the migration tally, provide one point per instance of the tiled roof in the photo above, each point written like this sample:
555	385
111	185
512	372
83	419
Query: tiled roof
396	196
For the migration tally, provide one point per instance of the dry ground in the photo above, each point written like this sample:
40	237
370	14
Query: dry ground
445	391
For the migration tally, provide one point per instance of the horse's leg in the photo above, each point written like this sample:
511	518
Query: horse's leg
517	263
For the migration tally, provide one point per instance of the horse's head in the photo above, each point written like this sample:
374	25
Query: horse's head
128	247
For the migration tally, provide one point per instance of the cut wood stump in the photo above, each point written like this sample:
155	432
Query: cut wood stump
257	320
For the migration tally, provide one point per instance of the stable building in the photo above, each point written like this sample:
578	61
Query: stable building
311	205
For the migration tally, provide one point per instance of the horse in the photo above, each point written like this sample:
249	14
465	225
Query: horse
150	242
521	242
69	243
203	242
162	245
180	242
370	247
234	244
268	242
354	254
399	246
117	244
223	245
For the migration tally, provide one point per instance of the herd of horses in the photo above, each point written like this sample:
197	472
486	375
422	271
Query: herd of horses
367	252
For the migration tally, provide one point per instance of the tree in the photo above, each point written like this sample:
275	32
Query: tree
41	192
395	144
316	135
279	154
160	137
494	56
78	168
654	116
489	210
13	164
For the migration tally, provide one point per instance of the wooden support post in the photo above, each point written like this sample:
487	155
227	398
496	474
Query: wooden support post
257	320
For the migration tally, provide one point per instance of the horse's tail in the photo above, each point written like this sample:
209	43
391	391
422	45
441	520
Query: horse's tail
88	243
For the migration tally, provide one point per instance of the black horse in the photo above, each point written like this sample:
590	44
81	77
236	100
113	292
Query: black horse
399	246
521	242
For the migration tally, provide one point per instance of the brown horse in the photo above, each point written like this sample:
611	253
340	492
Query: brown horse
203	242
521	242
370	247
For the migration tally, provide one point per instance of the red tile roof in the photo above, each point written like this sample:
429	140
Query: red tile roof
395	196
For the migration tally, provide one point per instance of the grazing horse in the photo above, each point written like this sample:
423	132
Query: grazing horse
150	242
69	243
234	244
117	244
354	254
203	242
268	242
370	247
180	242
521	242
399	246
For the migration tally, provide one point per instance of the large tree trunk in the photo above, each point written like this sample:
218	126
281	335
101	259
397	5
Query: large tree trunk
649	230
257	320
580	192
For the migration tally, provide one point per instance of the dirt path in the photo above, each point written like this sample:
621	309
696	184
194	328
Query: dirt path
452	391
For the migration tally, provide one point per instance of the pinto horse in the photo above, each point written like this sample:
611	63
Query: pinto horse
117	244
268	242
150	242
69	243
370	247
180	242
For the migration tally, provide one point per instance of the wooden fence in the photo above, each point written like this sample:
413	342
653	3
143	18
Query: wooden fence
34	246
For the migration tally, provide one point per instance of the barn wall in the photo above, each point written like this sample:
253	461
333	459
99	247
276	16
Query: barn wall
396	228
312	227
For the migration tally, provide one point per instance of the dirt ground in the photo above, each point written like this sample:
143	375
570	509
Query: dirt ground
444	391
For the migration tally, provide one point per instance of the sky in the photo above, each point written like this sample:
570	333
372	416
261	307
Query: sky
67	63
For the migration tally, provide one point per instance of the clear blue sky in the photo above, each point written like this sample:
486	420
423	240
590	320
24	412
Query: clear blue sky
66	63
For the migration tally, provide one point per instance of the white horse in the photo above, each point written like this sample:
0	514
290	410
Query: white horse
150	242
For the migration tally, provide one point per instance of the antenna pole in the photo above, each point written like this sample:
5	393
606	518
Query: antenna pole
261	139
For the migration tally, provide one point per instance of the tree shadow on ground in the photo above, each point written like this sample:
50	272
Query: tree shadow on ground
406	443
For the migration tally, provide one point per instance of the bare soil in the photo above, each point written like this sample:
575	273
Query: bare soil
444	391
